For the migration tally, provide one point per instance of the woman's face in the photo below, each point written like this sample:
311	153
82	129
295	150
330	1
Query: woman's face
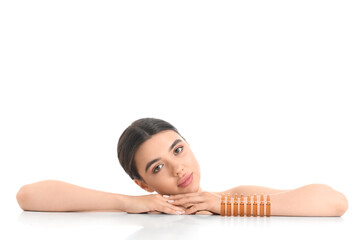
164	161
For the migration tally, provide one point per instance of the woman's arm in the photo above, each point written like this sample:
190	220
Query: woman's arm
57	196
309	200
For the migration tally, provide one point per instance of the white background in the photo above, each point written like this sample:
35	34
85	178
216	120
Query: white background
265	92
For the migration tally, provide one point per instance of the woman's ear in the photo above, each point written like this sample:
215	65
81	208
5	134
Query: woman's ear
144	185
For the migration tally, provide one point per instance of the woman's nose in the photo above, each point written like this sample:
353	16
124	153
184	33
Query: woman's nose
178	169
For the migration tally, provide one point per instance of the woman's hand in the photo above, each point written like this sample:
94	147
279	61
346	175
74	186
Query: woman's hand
200	201
150	204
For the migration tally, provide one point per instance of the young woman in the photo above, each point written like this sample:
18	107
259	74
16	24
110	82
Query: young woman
154	154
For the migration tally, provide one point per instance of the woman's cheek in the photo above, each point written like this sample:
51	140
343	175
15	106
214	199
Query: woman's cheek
187	157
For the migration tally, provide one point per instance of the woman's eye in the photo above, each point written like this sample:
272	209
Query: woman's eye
157	168
178	150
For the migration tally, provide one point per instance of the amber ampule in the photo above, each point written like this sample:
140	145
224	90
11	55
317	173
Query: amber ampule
261	205
255	206
222	204
228	205
268	206
242	205
248	206
236	205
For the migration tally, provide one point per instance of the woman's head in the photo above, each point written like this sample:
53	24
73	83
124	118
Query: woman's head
155	155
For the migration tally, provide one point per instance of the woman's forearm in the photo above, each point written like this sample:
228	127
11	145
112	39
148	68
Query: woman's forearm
57	196
310	200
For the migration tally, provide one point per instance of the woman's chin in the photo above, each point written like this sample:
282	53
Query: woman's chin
194	187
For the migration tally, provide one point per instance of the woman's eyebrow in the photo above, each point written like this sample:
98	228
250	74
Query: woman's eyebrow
174	144
148	165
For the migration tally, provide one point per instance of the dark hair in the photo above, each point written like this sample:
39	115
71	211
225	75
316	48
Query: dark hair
130	140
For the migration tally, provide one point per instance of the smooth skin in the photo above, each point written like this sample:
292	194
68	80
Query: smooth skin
162	176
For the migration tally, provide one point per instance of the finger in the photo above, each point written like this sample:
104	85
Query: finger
171	210
186	205
166	198
187	200
154	212
195	208
203	212
178	196
176	209
178	203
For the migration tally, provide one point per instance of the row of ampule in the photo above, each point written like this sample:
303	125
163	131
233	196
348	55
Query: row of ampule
237	206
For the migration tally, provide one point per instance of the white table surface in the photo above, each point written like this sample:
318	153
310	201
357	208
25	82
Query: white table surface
115	225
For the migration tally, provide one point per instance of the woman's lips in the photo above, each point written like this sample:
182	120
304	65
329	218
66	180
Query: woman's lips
186	180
